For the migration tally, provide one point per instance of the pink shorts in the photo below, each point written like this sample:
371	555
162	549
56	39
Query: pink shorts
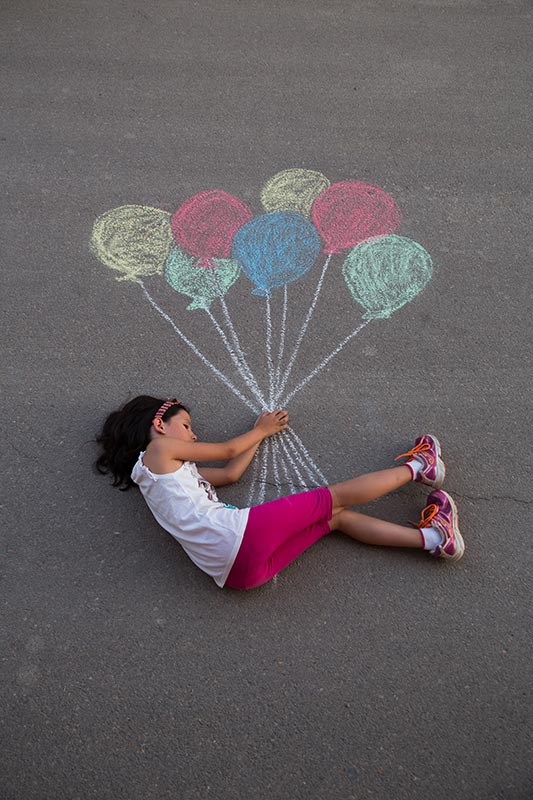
276	534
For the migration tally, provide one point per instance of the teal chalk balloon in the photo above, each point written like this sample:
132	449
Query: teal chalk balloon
385	273
202	284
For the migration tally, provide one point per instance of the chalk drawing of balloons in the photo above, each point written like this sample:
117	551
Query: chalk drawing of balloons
385	273
204	225
201	249
347	213
203	285
134	240
293	190
275	249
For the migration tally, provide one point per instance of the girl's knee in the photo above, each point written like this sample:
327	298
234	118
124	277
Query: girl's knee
336	506
335	521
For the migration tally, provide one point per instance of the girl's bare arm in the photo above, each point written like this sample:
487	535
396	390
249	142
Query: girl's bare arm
168	448
222	476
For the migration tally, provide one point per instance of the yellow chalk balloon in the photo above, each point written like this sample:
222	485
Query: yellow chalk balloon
134	240
293	190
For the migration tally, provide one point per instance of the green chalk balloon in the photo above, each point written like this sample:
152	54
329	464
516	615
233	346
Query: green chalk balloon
385	273
201	283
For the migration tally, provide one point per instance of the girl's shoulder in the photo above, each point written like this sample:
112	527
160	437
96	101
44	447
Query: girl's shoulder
157	458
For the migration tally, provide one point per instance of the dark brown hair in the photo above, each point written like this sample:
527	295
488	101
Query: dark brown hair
125	433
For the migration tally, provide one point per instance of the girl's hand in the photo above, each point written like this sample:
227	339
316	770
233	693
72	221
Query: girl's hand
271	422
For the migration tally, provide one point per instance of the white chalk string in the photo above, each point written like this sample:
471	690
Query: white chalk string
305	453
200	355
253	389
275	457
306	468
235	338
264	472
292	486
303	329
281	351
269	353
293	464
240	353
323	363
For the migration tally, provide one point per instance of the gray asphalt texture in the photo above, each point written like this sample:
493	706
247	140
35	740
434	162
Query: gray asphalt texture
360	672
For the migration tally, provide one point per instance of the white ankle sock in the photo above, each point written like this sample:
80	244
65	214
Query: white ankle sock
415	465
432	538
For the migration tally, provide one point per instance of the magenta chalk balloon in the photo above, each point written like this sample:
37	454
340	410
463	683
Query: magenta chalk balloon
347	213
205	224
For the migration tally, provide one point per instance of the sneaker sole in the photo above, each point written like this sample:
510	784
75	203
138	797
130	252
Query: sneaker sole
459	541
441	466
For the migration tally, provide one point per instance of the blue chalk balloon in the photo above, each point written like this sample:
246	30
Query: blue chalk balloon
275	249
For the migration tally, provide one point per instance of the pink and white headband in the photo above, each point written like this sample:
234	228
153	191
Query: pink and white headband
161	411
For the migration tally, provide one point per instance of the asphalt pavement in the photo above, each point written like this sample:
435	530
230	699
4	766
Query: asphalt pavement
358	672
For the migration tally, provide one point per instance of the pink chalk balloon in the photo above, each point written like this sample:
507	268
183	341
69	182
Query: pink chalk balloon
348	212
205	224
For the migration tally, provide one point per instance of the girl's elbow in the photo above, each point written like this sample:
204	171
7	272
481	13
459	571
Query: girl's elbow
232	451
233	474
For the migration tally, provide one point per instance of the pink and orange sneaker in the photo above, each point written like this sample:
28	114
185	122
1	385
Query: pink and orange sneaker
428	453
441	513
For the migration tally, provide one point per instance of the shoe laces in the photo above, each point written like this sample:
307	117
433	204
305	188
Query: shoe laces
427	515
421	447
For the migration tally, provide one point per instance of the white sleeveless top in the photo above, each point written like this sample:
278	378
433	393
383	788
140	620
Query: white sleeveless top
186	505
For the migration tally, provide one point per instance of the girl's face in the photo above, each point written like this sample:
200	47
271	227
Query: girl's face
179	427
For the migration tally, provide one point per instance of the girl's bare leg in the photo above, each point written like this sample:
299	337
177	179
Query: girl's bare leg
375	531
366	488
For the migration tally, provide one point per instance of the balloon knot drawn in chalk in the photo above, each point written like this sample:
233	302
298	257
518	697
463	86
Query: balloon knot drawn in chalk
204	246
